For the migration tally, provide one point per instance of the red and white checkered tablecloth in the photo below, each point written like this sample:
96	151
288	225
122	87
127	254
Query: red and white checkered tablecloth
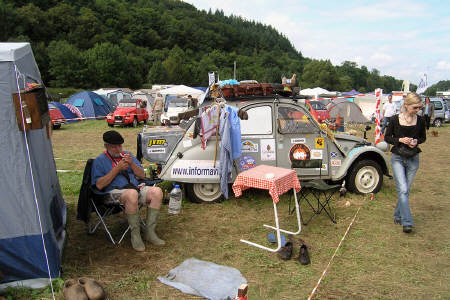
282	181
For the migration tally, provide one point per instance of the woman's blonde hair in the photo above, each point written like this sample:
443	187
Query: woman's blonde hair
412	98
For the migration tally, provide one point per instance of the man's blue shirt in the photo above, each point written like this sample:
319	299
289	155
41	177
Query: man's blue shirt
103	165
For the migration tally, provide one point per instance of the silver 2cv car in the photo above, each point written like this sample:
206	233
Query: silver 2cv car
279	132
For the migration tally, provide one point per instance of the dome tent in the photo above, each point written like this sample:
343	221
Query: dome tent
91	105
349	111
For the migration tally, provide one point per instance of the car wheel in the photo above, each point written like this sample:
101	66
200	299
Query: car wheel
135	122
204	192
110	125
437	123
145	122
56	126
365	177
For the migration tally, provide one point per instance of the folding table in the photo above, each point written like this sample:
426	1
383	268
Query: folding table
277	181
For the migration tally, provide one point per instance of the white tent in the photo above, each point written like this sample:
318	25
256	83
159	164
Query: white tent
182	90
316	92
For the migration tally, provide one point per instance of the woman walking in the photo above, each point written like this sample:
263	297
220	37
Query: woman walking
405	131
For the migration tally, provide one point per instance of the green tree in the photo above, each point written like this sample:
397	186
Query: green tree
320	73
67	66
173	66
107	65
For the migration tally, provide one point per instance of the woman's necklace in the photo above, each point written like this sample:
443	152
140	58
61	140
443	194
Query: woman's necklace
408	121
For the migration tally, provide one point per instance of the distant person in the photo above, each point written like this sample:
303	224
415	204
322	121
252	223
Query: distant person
405	131
389	110
428	110
157	109
115	173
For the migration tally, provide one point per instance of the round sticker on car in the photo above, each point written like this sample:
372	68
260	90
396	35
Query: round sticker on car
247	162
299	152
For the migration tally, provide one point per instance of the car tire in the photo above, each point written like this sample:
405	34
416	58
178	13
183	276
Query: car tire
365	177
204	192
437	123
56	126
110	125
135	122
145	122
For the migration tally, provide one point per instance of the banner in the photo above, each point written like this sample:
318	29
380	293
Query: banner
378	134
212	78
423	85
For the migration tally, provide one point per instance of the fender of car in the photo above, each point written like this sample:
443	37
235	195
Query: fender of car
279	132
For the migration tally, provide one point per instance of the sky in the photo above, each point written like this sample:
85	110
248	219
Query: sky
401	38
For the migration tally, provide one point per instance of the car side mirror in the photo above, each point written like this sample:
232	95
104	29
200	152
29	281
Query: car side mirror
367	128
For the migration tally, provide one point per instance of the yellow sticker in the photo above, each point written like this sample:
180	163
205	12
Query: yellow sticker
159	142
320	143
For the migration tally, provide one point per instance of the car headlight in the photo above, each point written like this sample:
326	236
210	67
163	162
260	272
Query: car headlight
383	146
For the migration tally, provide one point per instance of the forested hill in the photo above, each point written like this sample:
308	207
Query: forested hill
91	44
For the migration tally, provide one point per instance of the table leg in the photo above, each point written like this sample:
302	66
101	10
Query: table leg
277	229
299	222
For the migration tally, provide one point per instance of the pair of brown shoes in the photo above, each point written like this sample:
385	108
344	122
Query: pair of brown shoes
285	253
83	289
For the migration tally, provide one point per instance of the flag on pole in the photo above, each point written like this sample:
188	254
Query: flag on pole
378	134
423	85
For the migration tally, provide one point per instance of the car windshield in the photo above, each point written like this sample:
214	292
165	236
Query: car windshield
127	104
178	103
318	105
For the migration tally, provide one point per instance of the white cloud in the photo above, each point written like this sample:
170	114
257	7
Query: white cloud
380	59
378	11
443	65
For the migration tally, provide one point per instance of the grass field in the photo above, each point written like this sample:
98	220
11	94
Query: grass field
376	260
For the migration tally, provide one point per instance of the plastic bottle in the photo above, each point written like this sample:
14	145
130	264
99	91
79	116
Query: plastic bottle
175	200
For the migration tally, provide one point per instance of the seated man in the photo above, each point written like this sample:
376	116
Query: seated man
116	173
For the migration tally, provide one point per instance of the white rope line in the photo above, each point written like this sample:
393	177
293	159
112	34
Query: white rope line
71	159
334	254
17	73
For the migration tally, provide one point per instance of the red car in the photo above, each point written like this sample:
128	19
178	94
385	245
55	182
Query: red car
56	116
318	110
129	112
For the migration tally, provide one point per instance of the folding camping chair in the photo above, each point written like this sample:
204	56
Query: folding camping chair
322	194
102	206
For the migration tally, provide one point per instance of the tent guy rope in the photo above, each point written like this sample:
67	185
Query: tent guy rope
18	75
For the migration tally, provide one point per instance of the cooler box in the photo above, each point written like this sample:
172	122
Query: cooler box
158	142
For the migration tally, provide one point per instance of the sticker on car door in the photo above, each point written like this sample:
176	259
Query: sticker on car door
320	143
268	151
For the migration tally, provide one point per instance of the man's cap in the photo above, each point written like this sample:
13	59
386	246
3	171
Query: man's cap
113	137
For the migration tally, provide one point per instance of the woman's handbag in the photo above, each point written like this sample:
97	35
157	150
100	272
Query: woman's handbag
406	151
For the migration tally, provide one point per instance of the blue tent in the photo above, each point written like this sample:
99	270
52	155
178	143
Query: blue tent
32	209
70	116
351	93
90	104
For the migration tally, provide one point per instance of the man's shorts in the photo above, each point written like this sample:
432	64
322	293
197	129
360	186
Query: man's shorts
114	195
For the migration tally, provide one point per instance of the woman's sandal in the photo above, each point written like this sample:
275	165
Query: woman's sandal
92	288
74	291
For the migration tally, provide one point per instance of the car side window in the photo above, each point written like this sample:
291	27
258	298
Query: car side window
294	120
259	121
437	105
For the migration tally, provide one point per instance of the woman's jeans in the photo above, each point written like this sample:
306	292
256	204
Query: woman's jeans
404	170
